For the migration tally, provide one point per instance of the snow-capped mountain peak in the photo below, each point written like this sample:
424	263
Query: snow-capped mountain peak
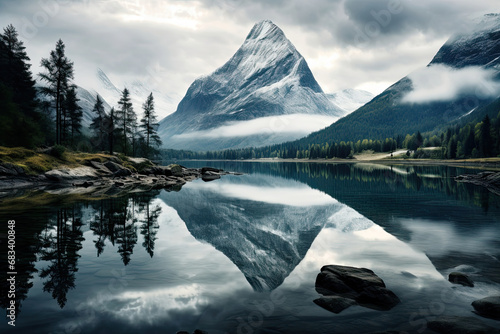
266	77
477	45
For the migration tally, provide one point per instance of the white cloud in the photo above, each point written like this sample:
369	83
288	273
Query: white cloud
443	83
299	195
295	124
443	238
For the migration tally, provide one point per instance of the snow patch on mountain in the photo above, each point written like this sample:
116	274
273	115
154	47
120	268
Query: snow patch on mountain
87	102
350	99
139	91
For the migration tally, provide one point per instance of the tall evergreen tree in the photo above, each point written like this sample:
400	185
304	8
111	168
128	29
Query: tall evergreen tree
135	135
21	124
98	126
125	118
485	142
59	73
149	125
109	125
73	113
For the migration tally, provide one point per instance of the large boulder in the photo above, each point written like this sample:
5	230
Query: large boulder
100	168
117	169
204	170
355	278
377	297
460	325
358	285
460	278
488	307
175	169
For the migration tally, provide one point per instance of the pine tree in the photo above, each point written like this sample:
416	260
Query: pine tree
149	125
485	142
135	137
73	112
21	124
59	72
109	125
125	118
97	125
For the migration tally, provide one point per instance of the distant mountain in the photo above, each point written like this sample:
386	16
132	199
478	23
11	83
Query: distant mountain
459	84
350	99
139	91
87	102
264	94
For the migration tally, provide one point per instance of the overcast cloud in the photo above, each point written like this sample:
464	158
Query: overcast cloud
442	83
367	44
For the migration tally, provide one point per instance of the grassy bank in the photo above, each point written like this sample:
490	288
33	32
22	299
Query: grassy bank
34	162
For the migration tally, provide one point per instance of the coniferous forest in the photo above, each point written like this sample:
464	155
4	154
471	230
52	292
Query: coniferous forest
470	140
46	113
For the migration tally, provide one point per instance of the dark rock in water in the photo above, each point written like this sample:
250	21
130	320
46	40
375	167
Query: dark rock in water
378	298
460	278
357	285
460	325
209	169
182	332
210	176
335	304
354	278
488	307
199	331
327	283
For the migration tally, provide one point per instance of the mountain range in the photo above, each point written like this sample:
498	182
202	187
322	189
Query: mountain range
461	83
264	94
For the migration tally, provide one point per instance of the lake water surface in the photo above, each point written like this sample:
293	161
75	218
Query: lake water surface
241	254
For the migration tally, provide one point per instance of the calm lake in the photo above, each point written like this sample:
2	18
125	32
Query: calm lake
241	254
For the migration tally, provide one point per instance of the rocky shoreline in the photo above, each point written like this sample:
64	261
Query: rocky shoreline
109	177
489	180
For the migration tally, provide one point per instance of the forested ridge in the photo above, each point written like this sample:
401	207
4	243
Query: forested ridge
470	140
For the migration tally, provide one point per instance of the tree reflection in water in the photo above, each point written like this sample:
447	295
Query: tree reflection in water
55	235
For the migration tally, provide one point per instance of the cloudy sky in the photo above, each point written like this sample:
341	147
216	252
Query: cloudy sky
365	44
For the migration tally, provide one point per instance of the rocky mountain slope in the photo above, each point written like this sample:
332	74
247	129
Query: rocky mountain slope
460	83
264	94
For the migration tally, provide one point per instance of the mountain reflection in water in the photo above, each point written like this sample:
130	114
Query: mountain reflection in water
212	254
